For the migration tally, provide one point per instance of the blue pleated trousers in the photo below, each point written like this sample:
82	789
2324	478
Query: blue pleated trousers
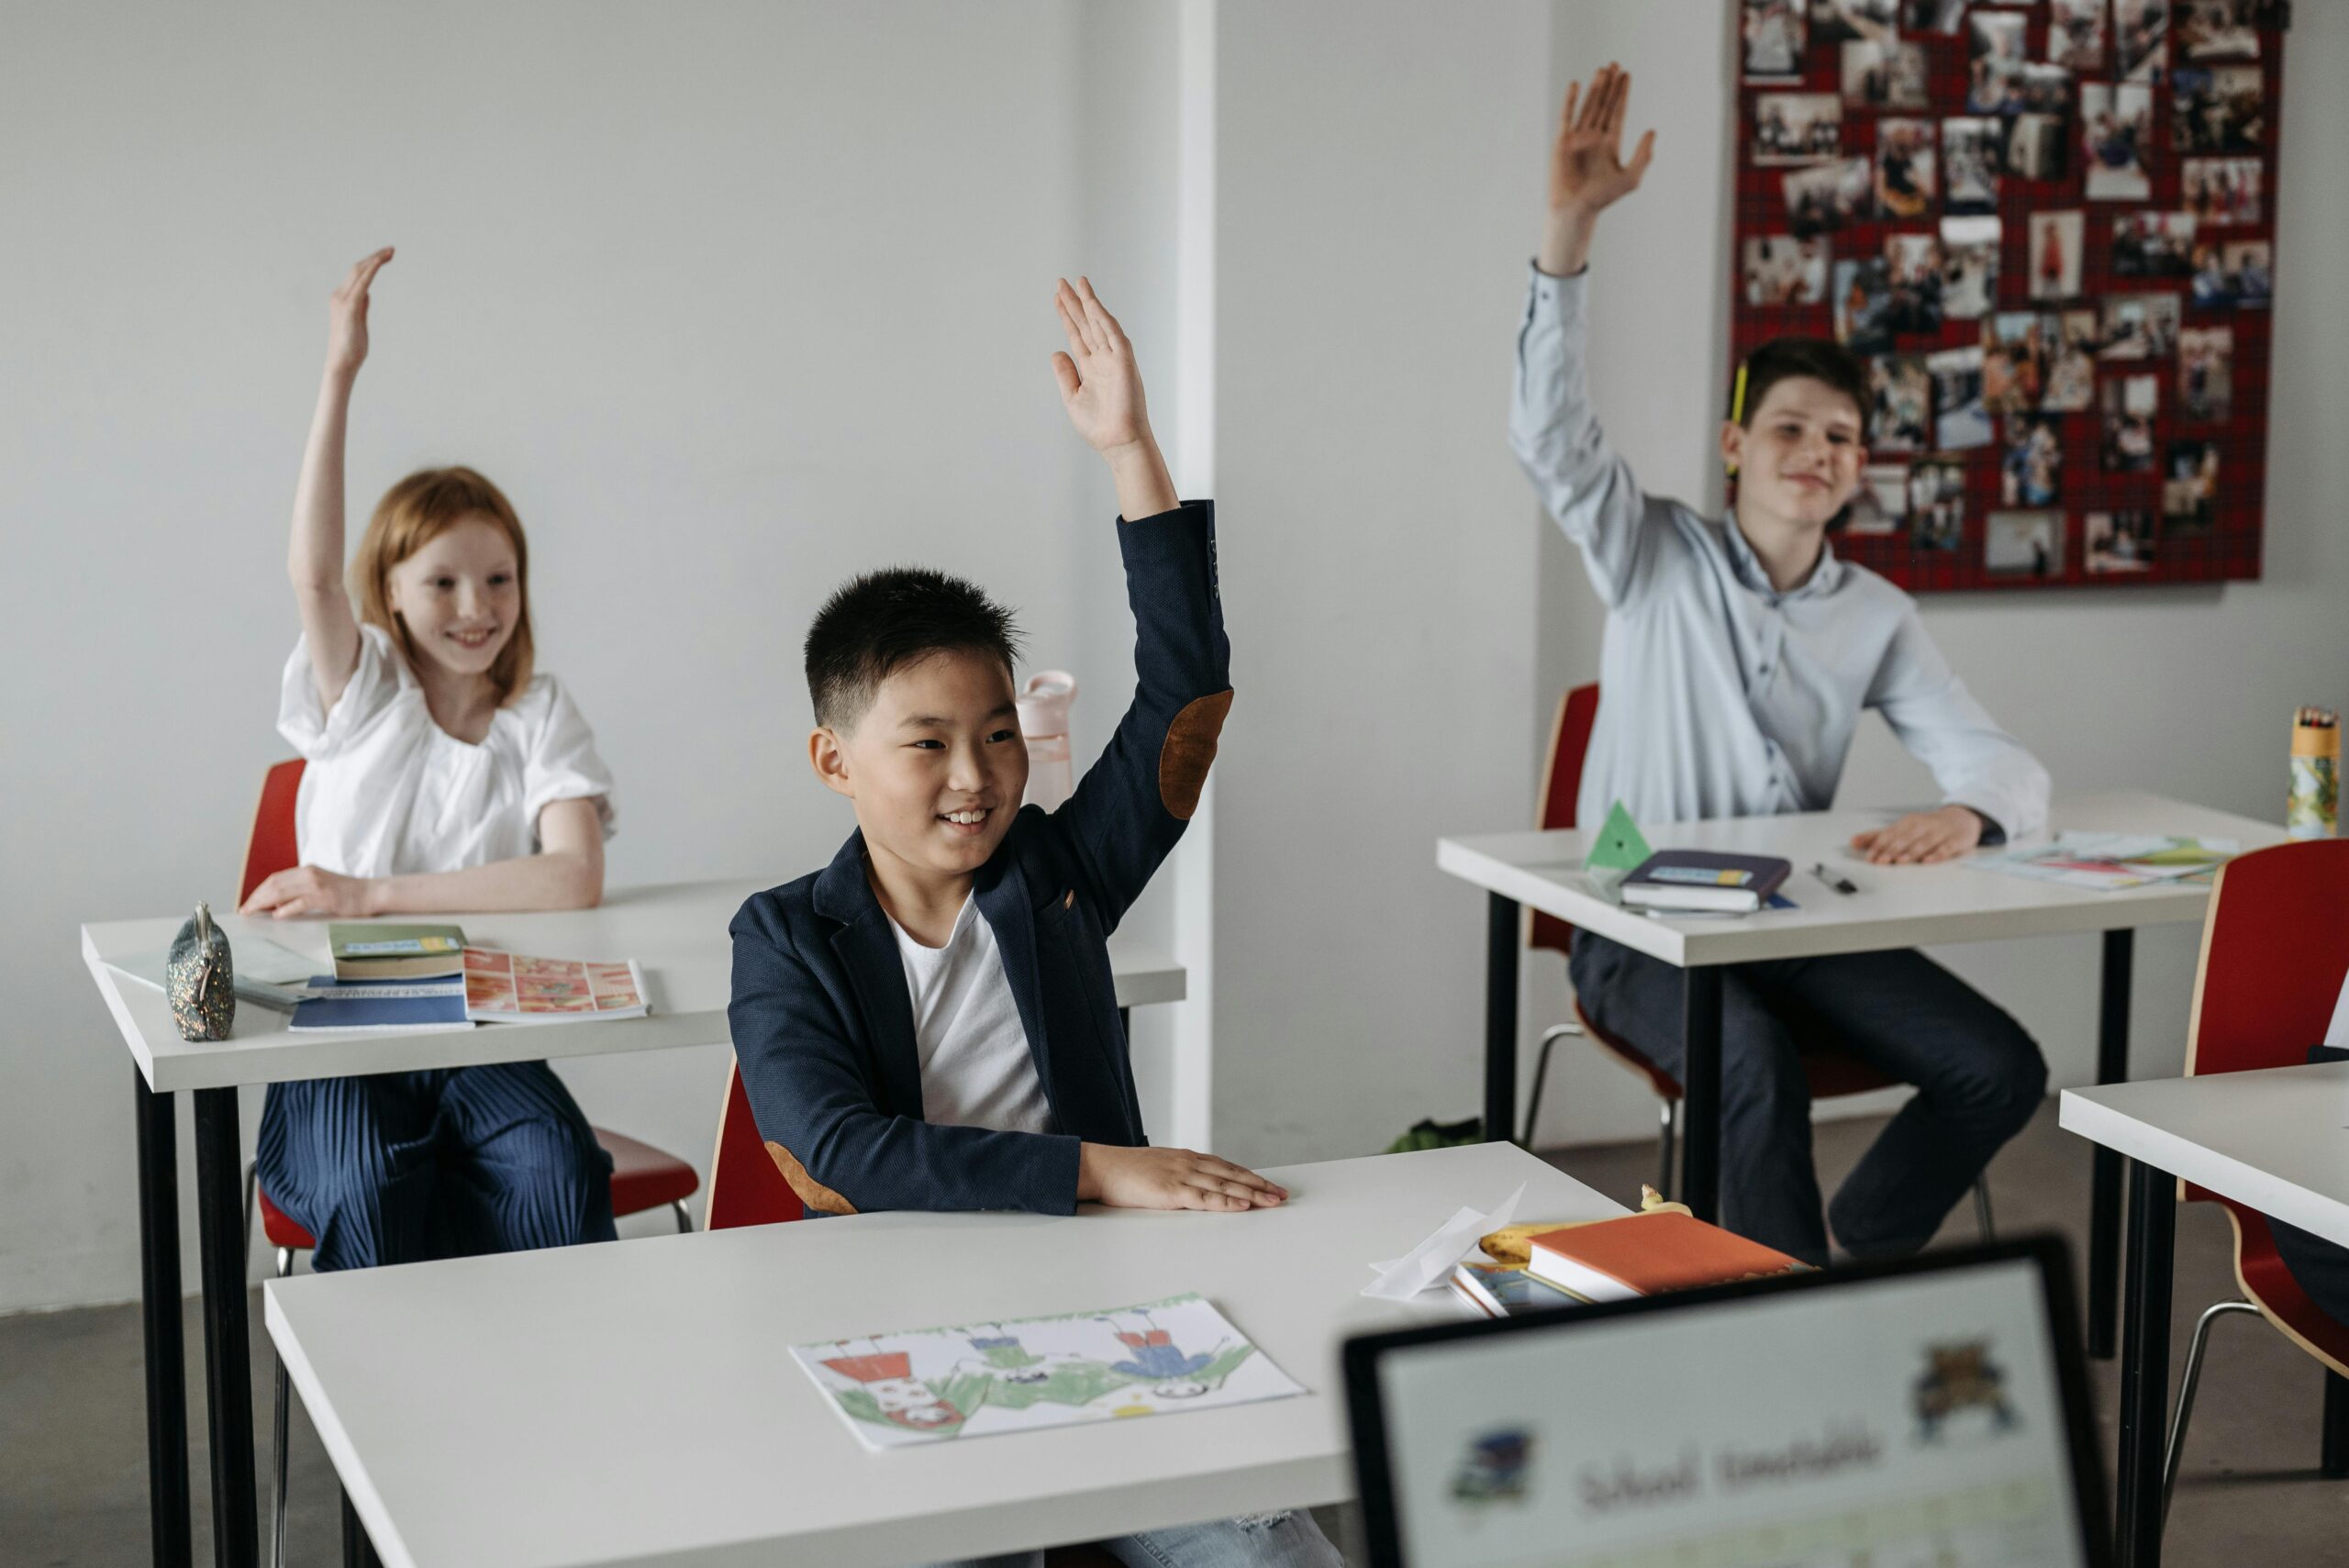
402	1167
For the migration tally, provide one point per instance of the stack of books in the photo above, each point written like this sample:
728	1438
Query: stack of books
1615	1260
425	977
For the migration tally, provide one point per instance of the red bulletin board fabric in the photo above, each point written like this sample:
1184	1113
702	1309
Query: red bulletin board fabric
2215	541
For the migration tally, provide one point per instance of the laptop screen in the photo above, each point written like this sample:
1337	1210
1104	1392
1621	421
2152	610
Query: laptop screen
1915	1415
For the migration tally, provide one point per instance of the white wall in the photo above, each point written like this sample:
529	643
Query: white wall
1378	172
2187	691
734	300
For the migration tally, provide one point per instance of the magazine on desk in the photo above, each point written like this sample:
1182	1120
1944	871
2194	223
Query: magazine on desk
494	988
2112	861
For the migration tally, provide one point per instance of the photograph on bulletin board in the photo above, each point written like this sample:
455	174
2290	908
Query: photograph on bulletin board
2047	230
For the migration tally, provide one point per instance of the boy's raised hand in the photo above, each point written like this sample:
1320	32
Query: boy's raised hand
347	316
1586	167
1100	386
1101	389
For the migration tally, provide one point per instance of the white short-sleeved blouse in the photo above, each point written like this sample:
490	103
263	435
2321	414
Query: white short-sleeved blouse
388	792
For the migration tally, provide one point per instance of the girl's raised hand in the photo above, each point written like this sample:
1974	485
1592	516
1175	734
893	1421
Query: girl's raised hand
347	316
1100	386
1586	168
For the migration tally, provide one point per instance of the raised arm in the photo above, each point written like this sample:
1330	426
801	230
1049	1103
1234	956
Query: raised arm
314	560
1552	426
1132	806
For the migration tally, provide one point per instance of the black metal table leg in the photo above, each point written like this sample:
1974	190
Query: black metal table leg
1700	1087
2104	1199
221	1228
1501	935
2144	1366
357	1551
159	1298
2336	1425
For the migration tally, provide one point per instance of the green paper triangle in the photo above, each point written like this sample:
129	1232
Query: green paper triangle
1620	846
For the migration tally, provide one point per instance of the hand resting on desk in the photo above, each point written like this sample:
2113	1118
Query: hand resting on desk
1922	838
1169	1178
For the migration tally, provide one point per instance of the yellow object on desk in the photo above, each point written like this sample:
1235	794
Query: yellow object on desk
1510	1244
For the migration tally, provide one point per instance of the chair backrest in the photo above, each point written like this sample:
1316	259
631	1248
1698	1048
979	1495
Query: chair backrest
2275	948
1561	784
272	848
745	1188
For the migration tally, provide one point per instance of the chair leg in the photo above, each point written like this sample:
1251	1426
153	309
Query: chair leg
277	1432
1541	1073
1982	1208
684	1220
1669	1115
2186	1391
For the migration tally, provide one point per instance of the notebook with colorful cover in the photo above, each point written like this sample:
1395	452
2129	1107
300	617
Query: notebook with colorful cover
1645	1255
1506	1290
1704	879
379	951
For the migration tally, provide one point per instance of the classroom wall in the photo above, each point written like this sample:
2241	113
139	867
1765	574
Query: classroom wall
2185	691
1378	177
734	300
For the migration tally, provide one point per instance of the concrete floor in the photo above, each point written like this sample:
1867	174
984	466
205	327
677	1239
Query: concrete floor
72	1444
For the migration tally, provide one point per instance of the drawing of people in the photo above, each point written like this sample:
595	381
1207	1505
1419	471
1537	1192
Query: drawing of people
1007	1358
1158	1360
886	1378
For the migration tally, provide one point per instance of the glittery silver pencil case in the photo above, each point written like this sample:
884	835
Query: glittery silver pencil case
199	979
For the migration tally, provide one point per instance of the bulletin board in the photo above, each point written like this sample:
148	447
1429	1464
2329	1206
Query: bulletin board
2047	229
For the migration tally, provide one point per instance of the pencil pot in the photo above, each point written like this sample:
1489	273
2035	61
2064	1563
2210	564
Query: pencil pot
198	979
2312	806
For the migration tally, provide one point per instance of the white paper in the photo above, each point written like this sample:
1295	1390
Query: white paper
1026	1374
1400	1279
2337	1033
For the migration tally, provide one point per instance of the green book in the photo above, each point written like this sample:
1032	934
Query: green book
374	951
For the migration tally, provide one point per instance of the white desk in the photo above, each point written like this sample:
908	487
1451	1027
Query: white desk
637	1404
2276	1141
1896	906
676	933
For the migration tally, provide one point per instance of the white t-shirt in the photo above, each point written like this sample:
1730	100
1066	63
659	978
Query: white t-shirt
976	1069
389	792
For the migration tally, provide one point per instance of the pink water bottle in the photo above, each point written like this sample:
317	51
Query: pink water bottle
1044	721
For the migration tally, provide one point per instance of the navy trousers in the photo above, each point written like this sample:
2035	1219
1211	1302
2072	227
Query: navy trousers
402	1167
1978	1078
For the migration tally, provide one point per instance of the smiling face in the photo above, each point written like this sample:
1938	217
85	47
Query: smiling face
459	596
1798	462
936	766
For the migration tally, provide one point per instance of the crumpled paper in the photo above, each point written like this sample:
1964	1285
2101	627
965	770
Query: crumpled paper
1401	1278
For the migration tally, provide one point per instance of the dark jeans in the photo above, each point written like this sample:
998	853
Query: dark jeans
1978	1078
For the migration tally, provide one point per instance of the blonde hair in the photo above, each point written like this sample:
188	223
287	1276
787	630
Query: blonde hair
413	513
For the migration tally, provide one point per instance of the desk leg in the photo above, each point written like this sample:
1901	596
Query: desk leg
2144	1366
1501	937
358	1552
2104	1199
2336	1426
159	1296
1700	1087
221	1228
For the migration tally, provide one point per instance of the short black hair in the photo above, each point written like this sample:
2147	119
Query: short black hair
1784	359
876	625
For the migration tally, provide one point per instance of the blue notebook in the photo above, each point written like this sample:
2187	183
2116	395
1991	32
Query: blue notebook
383	1004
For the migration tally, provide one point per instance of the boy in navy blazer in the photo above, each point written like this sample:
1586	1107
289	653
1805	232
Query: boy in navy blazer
929	1022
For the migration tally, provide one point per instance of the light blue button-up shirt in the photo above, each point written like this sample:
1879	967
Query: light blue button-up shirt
1719	696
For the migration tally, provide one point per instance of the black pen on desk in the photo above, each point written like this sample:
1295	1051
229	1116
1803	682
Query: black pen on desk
1835	880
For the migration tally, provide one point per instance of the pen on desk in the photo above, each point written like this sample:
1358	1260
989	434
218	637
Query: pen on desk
1840	883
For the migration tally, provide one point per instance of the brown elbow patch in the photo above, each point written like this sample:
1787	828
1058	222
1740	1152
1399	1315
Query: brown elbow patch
1189	753
812	1192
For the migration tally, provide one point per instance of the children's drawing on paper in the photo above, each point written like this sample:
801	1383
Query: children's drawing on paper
1035	1373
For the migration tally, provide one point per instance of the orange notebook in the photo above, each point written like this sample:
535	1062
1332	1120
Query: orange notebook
1645	1255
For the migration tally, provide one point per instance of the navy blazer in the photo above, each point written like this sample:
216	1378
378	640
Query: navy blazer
822	1018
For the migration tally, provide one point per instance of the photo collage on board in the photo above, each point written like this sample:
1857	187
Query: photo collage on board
2046	229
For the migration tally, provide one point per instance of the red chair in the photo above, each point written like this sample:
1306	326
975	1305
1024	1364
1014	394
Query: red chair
2275	948
745	1186
1831	1073
643	1178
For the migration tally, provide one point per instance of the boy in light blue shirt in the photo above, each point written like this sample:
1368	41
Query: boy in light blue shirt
1738	655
